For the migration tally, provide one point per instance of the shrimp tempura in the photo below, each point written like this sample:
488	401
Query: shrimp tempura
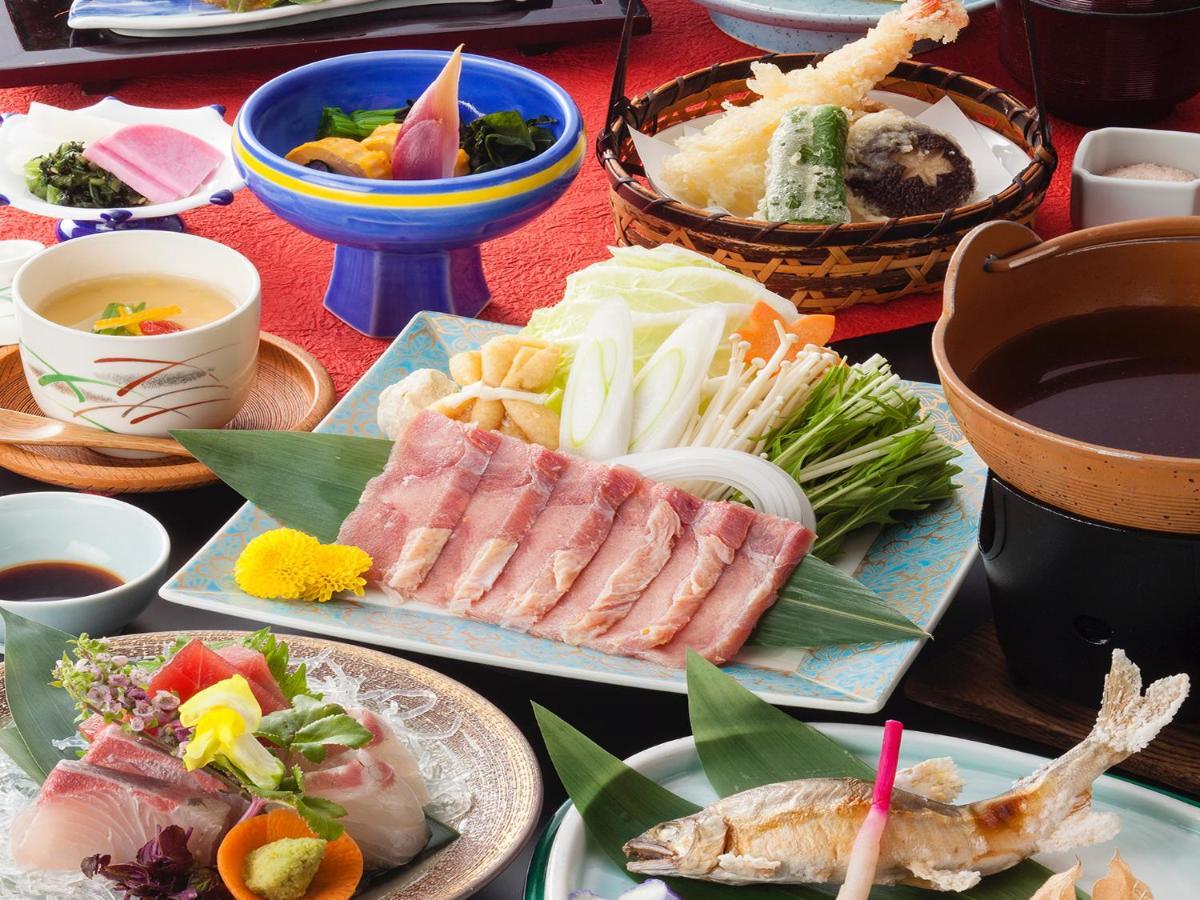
725	164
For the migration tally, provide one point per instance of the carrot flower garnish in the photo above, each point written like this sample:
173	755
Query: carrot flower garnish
864	857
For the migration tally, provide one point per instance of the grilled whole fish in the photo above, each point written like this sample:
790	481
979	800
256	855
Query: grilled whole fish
803	831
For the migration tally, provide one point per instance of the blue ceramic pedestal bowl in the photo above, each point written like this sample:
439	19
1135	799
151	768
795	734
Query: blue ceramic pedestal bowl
403	246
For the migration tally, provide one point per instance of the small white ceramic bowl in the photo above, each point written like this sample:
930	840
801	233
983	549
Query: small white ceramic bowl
1097	199
58	526
198	378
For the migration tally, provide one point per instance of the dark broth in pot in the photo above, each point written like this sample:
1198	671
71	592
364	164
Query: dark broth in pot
1125	378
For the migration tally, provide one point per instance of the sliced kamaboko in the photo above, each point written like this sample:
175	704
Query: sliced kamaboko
631	547
597	410
407	513
113	748
700	558
666	393
428	143
747	589
666	519
159	162
560	543
510	495
383	814
84	809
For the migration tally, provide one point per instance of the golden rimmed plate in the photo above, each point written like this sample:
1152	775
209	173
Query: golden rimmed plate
499	766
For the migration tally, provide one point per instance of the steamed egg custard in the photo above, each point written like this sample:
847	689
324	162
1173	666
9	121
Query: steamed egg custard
137	305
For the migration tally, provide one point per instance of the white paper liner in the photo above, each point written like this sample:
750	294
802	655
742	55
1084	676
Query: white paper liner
996	158
443	772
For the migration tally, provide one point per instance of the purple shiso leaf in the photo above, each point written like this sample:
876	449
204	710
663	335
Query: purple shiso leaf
165	869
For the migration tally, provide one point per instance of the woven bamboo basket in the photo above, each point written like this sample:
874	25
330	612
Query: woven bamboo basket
821	268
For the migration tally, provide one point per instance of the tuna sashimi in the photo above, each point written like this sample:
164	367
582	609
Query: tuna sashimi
84	809
510	495
383	815
115	749
645	557
746	590
562	540
196	667
407	513
159	162
700	557
253	667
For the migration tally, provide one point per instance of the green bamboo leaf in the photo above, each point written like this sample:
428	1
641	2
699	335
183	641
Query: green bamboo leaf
41	713
820	604
744	742
14	746
310	482
618	803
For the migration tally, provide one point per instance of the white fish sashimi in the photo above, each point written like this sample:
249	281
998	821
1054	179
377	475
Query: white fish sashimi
383	815
83	810
388	748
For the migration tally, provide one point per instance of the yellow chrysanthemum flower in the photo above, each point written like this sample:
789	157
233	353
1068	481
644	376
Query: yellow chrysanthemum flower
285	564
337	568
276	565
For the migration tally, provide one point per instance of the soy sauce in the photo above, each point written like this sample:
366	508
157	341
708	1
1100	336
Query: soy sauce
1125	378
54	580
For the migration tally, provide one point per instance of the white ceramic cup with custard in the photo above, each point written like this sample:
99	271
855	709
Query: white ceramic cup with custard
195	372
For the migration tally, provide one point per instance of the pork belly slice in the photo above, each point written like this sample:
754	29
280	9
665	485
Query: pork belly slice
513	490
560	543
407	513
84	809
639	555
113	748
383	815
747	589
701	556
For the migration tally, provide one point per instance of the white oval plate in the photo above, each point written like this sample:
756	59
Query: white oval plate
207	123
1160	836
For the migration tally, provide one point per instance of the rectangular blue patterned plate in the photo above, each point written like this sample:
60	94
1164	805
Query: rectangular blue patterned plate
915	567
189	18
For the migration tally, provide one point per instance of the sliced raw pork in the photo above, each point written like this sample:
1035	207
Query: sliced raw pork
560	543
84	809
407	513
383	815
510	495
113	748
701	555
159	162
746	590
637	548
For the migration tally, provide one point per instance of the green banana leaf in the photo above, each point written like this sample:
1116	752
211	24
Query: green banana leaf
311	482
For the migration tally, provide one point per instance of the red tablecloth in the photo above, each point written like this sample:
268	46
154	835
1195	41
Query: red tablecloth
526	269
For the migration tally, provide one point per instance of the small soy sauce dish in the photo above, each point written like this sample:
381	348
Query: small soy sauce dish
1073	367
79	562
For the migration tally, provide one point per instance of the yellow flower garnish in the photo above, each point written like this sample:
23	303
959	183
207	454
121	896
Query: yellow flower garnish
223	718
285	564
132	319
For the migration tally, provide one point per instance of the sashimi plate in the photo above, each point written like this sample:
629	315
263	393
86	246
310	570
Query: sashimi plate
186	18
487	753
916	567
1159	838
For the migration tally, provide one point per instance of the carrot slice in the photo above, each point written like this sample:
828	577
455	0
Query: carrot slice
337	879
759	331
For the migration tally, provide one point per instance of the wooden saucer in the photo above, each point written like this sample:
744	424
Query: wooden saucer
291	392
